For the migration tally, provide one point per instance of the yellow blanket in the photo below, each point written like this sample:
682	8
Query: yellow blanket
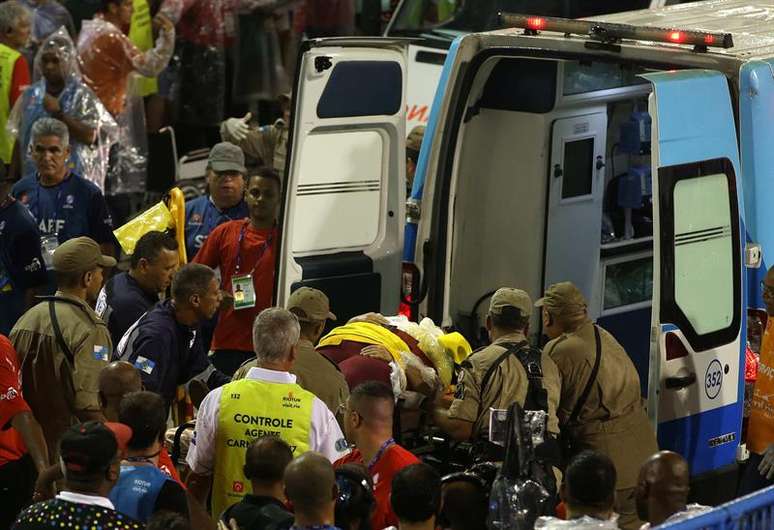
367	333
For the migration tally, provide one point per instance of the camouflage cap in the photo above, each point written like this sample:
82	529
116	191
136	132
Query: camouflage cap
510	297
563	299
310	305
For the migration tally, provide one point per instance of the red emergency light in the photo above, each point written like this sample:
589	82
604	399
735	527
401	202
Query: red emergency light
610	32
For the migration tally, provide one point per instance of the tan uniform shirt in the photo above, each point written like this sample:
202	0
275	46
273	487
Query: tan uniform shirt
508	383
315	373
268	144
54	388
613	420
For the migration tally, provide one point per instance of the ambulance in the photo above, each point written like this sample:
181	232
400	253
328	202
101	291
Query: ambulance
631	154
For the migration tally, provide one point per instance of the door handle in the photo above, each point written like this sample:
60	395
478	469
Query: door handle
676	383
557	171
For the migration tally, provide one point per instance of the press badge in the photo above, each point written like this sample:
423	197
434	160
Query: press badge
48	244
243	291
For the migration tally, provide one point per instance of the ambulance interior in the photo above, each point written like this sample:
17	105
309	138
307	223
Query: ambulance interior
551	182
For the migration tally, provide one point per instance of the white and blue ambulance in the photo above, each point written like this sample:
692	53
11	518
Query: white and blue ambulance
631	154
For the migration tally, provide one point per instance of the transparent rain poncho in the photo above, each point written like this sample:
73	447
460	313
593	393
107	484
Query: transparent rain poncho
76	101
47	17
110	63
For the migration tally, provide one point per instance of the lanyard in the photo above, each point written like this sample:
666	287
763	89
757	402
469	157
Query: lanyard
379	454
261	250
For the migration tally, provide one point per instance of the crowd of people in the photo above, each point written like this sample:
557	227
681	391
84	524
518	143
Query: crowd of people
165	391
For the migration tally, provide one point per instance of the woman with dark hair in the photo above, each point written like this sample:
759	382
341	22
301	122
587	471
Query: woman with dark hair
355	501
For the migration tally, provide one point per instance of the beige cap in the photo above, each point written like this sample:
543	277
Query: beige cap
563	299
80	254
311	303
510	297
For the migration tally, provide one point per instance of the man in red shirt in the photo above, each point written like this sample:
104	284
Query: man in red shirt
243	250
23	450
368	426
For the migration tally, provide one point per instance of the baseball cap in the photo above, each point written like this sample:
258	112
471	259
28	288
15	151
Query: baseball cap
90	447
414	140
563	298
226	157
510	297
80	254
312	303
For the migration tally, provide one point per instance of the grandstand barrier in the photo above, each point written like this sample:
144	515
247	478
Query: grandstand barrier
752	512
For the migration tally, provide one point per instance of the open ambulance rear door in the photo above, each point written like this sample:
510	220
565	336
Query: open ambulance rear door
696	351
342	220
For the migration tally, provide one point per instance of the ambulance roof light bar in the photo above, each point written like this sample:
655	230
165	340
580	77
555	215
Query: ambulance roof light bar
610	32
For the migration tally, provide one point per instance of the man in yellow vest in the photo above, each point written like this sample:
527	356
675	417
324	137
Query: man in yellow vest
268	402
15	27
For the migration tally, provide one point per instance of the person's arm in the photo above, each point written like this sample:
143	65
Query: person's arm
152	62
326	435
45	484
201	453
251	140
150	354
101	225
81	131
32	434
20	79
457	421
460	430
209	254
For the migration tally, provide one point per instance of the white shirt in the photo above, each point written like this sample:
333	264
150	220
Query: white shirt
325	436
80	498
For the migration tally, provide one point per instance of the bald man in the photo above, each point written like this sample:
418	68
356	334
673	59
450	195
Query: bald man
310	487
662	490
368	421
116	380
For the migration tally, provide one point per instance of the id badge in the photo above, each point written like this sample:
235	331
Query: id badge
243	291
48	244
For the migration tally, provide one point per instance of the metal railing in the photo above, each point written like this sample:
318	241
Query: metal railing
752	512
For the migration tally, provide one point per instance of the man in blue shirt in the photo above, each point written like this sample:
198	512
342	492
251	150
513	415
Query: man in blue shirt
21	264
129	295
165	344
64	205
225	202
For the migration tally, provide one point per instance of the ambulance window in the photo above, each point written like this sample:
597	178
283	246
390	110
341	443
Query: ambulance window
577	170
362	88
589	77
628	282
700	246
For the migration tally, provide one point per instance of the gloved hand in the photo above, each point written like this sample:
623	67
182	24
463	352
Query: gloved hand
237	128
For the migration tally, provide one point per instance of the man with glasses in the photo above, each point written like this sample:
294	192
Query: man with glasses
64	205
759	471
225	201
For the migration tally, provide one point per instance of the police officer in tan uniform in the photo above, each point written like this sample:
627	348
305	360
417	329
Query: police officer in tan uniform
314	372
63	345
267	144
507	323
612	420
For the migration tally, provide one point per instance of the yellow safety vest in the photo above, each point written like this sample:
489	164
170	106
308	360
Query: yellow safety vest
141	35
250	409
8	57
